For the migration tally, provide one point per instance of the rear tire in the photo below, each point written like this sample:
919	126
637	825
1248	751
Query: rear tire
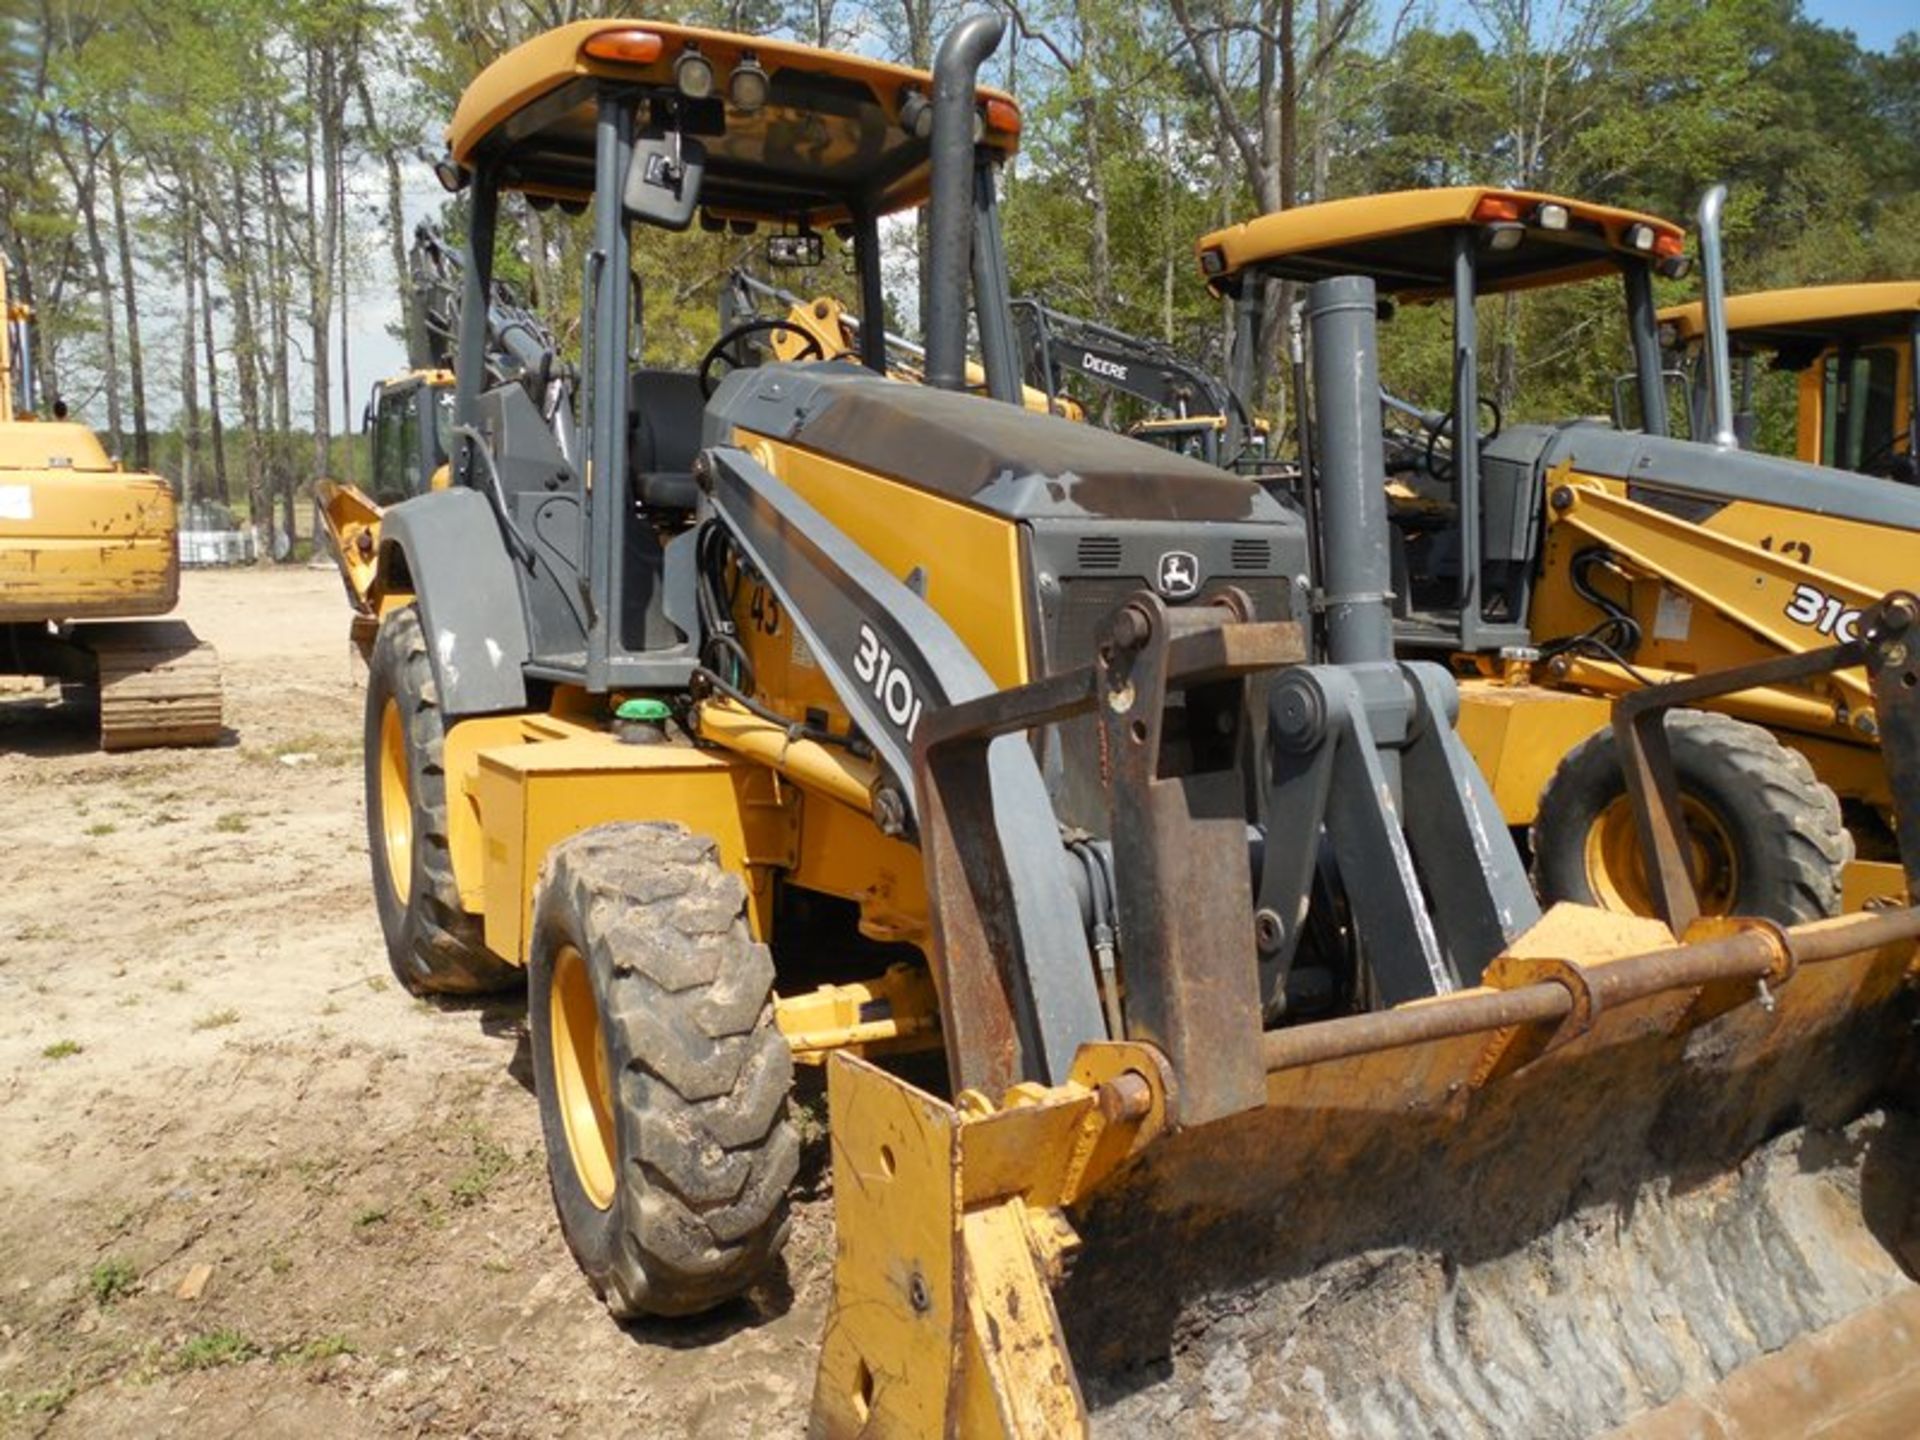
662	1078
434	946
1767	836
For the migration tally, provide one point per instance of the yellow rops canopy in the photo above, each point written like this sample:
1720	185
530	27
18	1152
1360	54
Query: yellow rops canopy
1404	240
1820	313
792	134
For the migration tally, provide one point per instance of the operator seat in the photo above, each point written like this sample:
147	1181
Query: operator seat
664	409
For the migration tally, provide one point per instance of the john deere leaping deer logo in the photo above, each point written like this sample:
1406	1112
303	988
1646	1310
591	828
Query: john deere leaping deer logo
1179	574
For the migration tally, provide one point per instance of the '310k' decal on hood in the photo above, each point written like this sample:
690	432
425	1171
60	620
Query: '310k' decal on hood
1828	614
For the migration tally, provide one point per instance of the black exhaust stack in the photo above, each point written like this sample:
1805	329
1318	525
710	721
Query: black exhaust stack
950	219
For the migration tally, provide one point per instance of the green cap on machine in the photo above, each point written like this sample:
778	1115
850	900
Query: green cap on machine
650	711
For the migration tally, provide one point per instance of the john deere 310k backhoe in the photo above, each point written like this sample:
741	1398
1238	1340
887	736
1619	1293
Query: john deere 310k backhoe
1557	566
824	717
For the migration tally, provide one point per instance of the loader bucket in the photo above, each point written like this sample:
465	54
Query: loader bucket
1626	1182
1414	1239
349	522
1635	1173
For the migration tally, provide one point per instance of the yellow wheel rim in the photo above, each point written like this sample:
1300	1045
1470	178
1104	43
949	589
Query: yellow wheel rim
1617	872
580	1079
396	804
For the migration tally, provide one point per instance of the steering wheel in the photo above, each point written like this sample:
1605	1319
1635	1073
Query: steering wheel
1884	461
1434	468
723	349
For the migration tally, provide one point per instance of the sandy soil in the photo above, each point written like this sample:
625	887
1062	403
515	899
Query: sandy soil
207	1075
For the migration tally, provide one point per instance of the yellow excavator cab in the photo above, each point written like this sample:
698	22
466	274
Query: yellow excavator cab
1852	349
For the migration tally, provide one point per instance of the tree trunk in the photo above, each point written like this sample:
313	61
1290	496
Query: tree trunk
109	319
86	194
215	427
397	219
323	212
189	340
344	237
1319	143
136	358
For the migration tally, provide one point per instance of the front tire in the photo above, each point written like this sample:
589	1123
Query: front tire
662	1078
434	946
1765	836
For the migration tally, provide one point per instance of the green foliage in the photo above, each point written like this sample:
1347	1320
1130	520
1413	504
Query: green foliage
112	1278
1145	126
213	1349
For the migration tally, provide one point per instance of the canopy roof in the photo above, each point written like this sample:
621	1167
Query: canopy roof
1774	319
828	133
1404	240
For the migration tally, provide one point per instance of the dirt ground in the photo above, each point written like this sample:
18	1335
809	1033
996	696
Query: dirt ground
209	1082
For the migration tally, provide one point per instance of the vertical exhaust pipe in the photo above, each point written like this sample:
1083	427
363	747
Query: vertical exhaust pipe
950	223
1350	469
1713	302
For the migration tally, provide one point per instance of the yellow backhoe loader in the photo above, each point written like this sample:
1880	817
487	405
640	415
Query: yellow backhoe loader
1559	566
1850	349
808	716
88	553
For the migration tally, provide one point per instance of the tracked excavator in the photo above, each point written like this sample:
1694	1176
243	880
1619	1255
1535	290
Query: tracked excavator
1557	567
1197	414
409	415
89	565
1198	1058
823	328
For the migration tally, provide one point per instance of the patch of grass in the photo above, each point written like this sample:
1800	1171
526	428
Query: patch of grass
490	1161
279	1264
40	930
111	1279
321	1347
319	747
810	1118
370	1215
377	983
61	1049
231	823
102	827
217	1019
49	1401
214	1349
316	1175
177	985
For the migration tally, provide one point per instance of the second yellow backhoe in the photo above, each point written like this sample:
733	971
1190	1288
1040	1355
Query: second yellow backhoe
1850	351
1558	567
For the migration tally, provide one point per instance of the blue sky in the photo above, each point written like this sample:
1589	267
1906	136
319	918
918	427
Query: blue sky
1875	23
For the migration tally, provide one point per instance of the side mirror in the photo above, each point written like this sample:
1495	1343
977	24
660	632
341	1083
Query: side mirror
795	252
663	180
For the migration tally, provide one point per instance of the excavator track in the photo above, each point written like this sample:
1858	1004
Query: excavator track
159	684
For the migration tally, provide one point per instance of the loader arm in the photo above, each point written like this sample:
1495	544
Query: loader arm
893	661
1708	595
